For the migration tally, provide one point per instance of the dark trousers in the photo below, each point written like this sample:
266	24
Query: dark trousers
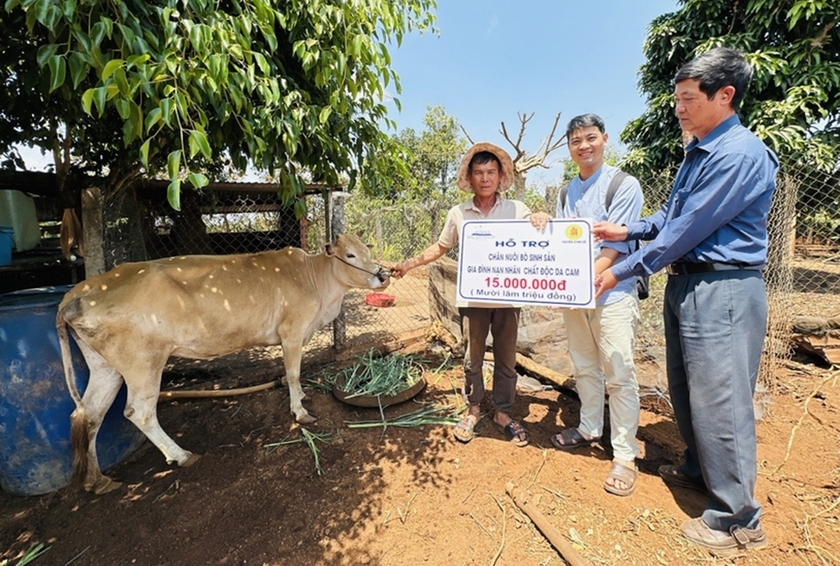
714	330
503	323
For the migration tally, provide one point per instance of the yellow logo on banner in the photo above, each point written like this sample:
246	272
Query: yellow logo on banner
574	232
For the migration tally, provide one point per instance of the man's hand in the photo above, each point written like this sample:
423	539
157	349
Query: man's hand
609	232
604	282
399	270
540	220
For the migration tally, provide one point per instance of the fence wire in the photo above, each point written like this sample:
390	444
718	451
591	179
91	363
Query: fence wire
803	275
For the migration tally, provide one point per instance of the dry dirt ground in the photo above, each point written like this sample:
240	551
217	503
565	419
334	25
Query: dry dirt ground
413	495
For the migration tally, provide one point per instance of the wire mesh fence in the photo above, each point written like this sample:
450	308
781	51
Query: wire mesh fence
803	275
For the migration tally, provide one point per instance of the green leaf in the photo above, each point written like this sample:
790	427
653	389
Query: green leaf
110	67
122	83
198	142
69	9
58	70
173	194
198	180
83	40
144	154
97	33
78	68
181	104
166	111
45	53
152	118
87	98
123	108
137	60
173	164
134	123
324	115
262	63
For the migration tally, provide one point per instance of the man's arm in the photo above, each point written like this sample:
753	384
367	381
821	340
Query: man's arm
605	259
430	254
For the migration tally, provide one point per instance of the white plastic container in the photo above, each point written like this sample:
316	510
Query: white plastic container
18	211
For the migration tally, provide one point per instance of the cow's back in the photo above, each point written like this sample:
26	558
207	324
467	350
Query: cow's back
193	306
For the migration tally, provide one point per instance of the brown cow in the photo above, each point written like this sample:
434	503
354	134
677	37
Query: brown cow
130	320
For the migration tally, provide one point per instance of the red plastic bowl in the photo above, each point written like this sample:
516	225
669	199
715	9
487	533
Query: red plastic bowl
379	299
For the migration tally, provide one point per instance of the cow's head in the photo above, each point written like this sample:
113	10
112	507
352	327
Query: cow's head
361	270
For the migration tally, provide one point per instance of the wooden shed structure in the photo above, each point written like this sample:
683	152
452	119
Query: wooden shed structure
222	218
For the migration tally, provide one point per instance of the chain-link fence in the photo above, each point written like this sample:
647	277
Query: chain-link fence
803	276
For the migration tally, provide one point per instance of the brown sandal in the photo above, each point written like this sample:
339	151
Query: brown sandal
464	431
514	432
621	473
572	438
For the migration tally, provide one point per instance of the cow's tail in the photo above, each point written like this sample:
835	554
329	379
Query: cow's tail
79	432
66	357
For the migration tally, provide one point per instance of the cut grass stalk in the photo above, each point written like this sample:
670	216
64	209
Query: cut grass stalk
34	552
425	415
310	439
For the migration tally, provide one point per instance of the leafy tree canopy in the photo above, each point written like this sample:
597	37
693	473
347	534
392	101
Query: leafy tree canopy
793	102
431	158
290	85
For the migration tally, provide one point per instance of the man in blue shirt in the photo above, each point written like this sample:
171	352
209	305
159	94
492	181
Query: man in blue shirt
711	236
602	340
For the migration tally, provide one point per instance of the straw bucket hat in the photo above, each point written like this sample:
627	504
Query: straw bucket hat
503	157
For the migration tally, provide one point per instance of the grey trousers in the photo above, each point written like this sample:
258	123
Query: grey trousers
503	323
714	330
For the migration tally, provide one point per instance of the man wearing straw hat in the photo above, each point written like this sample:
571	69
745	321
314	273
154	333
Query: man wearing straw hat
486	170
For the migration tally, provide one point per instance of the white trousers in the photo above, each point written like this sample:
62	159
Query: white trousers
601	345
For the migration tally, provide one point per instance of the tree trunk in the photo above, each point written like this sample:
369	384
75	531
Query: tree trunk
93	234
338	199
552	194
519	186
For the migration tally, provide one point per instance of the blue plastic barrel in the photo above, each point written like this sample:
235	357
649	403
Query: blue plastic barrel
35	405
7	242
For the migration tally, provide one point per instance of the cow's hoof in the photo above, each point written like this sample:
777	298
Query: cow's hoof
190	461
104	485
306	418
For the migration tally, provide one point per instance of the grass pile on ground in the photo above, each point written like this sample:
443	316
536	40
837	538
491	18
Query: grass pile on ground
380	376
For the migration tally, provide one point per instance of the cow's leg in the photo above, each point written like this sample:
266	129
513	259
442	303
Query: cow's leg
141	409
292	351
102	388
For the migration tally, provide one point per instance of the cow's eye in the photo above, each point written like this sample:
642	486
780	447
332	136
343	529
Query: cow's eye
351	256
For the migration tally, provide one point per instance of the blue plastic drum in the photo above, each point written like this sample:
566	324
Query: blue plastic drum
35	405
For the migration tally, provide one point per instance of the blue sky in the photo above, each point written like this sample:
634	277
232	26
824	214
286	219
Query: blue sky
494	58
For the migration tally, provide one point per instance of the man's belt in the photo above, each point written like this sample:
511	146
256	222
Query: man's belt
687	267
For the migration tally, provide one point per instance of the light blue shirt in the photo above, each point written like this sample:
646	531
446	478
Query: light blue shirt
717	211
585	199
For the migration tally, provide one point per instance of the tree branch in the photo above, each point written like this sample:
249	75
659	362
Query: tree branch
525	162
469	139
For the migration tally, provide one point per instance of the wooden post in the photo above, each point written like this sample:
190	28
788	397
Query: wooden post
337	224
550	532
92	225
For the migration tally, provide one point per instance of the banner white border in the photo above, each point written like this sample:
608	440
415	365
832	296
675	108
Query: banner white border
509	262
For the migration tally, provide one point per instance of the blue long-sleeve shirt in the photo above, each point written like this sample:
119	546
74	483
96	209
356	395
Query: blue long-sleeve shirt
717	211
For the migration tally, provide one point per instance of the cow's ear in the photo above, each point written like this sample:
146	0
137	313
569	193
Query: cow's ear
328	249
369	246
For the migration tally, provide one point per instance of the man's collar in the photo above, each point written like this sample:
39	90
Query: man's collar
713	138
593	177
472	206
